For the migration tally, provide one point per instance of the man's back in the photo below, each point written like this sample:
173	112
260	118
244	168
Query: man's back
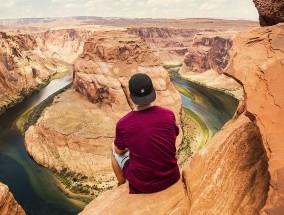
150	136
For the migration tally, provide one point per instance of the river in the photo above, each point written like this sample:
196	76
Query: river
214	107
35	188
32	185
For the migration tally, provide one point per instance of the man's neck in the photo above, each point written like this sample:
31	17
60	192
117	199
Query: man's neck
143	107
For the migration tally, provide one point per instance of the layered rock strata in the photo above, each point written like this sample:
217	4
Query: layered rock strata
168	44
210	50
76	132
271	12
23	69
63	44
8	205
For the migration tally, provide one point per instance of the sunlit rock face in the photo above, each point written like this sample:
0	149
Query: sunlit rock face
22	68
109	60
173	200
8	205
229	175
271	12
168	44
258	63
77	130
210	50
63	44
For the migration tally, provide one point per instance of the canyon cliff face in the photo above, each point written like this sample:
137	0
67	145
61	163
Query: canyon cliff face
8	205
210	50
104	68
28	61
262	50
168	44
239	171
77	131
229	175
271	12
63	44
22	68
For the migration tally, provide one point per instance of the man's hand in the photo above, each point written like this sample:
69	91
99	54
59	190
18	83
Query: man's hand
118	151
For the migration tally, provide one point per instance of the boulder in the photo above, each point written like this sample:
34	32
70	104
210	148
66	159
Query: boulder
271	12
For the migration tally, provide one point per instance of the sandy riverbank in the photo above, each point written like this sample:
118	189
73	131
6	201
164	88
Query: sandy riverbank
195	135
214	80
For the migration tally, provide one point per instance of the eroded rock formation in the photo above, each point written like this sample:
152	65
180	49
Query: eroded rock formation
209	51
63	44
8	205
229	175
270	12
168	44
76	132
262	51
23	69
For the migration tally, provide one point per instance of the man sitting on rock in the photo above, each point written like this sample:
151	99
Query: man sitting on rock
144	149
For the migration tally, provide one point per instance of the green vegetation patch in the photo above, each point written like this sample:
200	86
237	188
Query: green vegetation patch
173	70
205	130
78	183
22	120
184	91
170	66
195	135
31	116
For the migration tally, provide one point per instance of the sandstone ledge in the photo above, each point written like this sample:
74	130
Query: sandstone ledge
8	205
170	201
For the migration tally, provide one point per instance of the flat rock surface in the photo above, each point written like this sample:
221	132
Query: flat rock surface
173	200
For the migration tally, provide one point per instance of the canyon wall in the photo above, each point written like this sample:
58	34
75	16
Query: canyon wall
22	68
210	50
63	44
8	205
239	171
262	50
75	134
168	44
27	62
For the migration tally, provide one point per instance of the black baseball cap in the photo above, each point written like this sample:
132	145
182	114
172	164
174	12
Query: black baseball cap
141	89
